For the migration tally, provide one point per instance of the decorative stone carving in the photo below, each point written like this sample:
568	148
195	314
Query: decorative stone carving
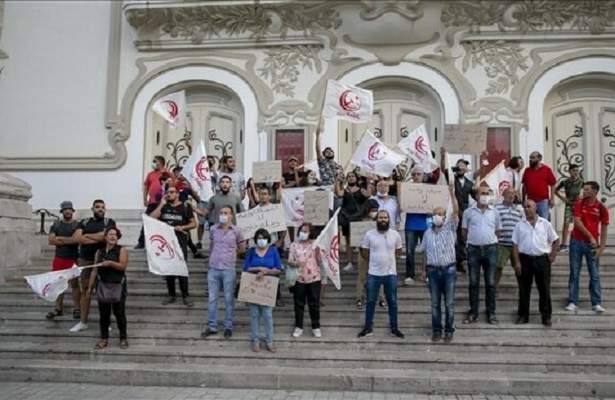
282	64
474	14
410	10
501	60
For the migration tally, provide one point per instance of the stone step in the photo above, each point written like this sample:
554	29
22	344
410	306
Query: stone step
406	380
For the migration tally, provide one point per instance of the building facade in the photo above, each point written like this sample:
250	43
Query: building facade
77	81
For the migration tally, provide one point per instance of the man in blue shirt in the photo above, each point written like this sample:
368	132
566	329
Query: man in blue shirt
416	225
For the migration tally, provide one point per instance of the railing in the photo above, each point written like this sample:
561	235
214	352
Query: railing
43	212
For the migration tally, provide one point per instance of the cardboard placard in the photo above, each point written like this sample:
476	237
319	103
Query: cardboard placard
270	217
465	138
316	207
262	292
358	230
267	171
422	198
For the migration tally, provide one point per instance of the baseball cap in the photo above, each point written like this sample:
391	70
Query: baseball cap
66	204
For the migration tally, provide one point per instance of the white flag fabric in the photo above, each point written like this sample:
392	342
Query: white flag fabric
196	170
416	145
52	284
498	180
328	242
312	166
348	102
292	201
375	157
164	254
172	108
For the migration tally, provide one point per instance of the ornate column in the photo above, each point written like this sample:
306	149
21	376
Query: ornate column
16	227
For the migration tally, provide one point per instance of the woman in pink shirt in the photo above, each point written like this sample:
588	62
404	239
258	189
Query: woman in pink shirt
304	257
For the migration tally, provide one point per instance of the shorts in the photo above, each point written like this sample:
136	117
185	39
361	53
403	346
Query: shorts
504	256
60	263
202	205
568	215
86	272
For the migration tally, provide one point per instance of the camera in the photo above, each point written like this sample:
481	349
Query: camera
455	169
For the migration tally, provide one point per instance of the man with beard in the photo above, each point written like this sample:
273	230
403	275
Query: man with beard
238	182
91	237
327	166
293	177
181	217
224	198
539	185
381	246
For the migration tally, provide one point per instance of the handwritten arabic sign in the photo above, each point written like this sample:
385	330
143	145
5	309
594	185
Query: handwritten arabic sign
267	171
270	217
262	292
316	207
358	230
465	138
422	198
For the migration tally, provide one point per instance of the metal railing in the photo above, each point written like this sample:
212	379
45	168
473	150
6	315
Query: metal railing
43	212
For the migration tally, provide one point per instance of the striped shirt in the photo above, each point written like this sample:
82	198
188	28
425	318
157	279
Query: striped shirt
510	216
439	246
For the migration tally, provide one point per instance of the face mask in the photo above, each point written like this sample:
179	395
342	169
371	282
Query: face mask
303	236
223	219
484	200
438	220
382	194
154	165
311	181
372	215
262	243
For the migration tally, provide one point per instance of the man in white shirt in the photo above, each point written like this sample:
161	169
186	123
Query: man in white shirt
381	246
535	245
481	226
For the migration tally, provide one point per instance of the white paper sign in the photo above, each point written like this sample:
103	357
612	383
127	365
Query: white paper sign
270	217
358	230
267	171
422	198
465	138
316	207
262	292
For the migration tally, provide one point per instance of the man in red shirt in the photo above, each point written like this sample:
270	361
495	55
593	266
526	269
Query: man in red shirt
587	241
537	179
152	190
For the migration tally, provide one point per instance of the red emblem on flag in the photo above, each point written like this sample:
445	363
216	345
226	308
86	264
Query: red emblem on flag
173	108
350	101
162	248
202	170
334	255
420	146
375	153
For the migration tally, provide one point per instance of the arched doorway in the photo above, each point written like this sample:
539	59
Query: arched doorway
579	120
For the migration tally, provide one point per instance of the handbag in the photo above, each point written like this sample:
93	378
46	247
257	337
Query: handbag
107	292
291	276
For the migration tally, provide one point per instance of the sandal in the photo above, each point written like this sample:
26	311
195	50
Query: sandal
52	314
124	344
103	343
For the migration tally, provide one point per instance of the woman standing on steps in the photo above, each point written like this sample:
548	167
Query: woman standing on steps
303	256
110	279
262	260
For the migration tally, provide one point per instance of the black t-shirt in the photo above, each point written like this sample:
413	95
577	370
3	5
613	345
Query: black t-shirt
289	177
63	229
93	225
106	274
176	216
353	201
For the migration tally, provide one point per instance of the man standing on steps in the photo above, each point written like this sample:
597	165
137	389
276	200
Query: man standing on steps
152	188
535	246
62	235
238	182
481	226
91	236
510	215
224	198
225	242
588	239
381	246
181	217
539	185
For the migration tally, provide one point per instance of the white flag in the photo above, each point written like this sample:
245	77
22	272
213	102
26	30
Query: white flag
312	166
196	170
164	254
375	157
172	108
416	145
328	242
348	102
498	180
52	284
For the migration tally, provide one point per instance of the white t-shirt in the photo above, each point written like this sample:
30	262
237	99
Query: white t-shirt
382	246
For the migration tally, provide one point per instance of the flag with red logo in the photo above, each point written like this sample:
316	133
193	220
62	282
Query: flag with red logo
498	180
348	102
164	254
52	284
373	156
172	108
196	171
416	145
328	243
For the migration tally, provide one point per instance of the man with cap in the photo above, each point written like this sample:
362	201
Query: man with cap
327	166
293	177
63	235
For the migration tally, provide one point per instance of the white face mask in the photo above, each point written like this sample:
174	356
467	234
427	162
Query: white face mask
484	200
372	215
223	219
154	165
262	243
438	220
303	236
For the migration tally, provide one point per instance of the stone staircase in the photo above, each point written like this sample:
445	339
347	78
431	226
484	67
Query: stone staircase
576	357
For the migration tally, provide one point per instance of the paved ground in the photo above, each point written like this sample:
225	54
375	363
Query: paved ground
57	391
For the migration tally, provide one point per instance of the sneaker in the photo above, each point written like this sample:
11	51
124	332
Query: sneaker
397	333
408	281
270	347
256	347
316	332
448	337
208	332
436	336
563	248
383	304
297	332
470	319
348	268
168	300
79	327
228	333
359	304
365	332
198	255
598	309
492	320
187	302
571	307
199	245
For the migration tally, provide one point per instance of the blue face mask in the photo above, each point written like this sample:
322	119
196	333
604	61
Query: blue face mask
223	219
262	243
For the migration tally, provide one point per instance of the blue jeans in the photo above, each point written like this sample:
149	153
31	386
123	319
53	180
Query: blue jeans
485	257
390	292
578	249
412	240
225	278
442	283
542	207
256	312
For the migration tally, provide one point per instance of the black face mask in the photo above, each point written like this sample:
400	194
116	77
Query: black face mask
382	226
